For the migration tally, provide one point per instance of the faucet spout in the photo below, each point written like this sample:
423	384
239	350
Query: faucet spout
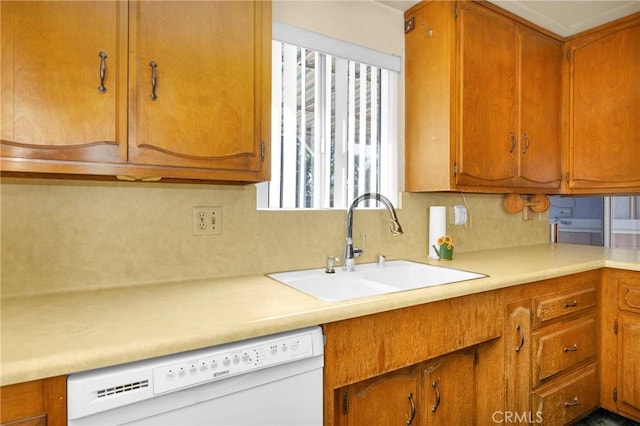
349	251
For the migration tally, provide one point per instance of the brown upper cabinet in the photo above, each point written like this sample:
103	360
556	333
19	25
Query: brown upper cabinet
139	89
63	81
603	92
483	101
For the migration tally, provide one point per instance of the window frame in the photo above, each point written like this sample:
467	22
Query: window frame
342	52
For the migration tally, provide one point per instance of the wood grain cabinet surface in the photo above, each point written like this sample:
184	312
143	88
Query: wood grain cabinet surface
437	392
63	81
620	335
483	101
205	110
373	363
36	403
142	90
387	399
551	350
603	92
562	402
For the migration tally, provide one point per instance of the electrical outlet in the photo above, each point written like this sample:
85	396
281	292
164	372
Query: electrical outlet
207	220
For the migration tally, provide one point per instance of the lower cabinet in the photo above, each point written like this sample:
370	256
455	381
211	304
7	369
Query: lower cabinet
431	364
437	392
620	350
389	399
449	386
562	401
36	403
629	364
550	349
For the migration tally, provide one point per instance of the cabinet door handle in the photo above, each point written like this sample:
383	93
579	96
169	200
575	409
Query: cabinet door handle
412	415
437	391
154	80
103	71
573	402
521	338
513	142
571	304
526	143
573	348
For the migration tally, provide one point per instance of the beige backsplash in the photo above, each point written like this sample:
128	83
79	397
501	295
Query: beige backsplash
60	235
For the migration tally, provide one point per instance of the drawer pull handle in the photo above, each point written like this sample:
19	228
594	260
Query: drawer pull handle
103	71
526	143
521	338
154	80
413	410
573	348
437	404
513	142
573	402
571	304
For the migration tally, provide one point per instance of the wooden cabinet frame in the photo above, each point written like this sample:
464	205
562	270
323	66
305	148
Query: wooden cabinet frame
361	348
37	403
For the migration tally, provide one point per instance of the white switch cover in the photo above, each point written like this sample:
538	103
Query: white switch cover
459	214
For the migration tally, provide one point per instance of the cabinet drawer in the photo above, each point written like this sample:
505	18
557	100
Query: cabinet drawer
567	399
561	348
629	297
558	305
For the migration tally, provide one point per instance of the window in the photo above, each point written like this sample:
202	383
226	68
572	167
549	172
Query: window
334	122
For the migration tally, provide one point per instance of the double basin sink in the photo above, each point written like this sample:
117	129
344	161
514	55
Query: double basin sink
371	279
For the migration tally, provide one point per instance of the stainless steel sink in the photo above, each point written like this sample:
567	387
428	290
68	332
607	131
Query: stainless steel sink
371	279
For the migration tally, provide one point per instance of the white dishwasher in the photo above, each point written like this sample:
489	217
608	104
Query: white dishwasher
266	381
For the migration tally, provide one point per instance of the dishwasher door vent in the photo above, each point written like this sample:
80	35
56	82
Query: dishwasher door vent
122	388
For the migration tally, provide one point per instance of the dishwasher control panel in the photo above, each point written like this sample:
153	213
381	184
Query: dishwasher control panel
229	360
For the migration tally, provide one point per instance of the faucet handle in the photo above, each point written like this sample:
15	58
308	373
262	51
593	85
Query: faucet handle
359	251
331	261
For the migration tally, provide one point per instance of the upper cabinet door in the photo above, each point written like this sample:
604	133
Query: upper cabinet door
199	73
483	102
539	135
487	150
604	110
62	69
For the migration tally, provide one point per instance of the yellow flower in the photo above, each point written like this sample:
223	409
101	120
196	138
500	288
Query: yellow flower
446	240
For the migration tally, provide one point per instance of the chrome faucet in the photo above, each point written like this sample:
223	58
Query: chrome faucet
349	251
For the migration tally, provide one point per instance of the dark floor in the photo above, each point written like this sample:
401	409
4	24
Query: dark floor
605	418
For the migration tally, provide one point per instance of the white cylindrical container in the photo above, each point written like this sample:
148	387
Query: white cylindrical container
437	227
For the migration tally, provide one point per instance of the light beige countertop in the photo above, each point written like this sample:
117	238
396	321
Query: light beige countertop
63	333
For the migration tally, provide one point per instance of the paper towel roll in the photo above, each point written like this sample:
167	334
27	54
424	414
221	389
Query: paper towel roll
437	227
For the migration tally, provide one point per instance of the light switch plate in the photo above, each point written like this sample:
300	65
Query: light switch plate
459	214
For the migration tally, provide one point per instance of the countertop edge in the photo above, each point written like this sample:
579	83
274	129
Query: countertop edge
68	357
